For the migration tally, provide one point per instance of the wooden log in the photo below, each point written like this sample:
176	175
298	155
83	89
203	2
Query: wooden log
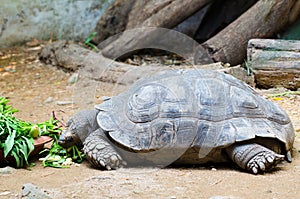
167	17
220	15
95	66
262	20
155	38
191	25
114	20
275	63
122	15
142	10
92	65
173	13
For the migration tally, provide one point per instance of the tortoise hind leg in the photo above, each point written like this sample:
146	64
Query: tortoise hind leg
100	152
253	157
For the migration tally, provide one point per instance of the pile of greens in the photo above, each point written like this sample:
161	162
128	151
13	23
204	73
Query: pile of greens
17	139
59	157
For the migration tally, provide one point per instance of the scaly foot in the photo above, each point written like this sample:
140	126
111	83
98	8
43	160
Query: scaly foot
264	161
101	153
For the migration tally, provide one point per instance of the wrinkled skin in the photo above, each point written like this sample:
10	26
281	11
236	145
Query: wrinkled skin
83	130
78	128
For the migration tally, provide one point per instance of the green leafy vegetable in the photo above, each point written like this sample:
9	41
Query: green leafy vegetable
60	157
9	142
14	137
57	156
17	139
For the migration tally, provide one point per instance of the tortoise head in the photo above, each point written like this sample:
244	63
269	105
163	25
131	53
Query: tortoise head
78	128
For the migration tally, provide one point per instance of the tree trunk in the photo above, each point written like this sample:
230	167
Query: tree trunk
262	20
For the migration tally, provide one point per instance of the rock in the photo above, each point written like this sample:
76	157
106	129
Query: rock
31	191
63	103
48	100
7	170
74	78
5	193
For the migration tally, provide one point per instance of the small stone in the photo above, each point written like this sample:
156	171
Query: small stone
63	103
48	100
74	78
31	191
7	170
213	169
172	197
5	193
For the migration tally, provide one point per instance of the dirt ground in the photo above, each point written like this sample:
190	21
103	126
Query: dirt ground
37	90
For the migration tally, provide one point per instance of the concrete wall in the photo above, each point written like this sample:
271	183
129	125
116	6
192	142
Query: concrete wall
22	20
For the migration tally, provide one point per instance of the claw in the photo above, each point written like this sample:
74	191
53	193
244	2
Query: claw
264	161
289	156
270	159
102	163
254	170
262	166
255	164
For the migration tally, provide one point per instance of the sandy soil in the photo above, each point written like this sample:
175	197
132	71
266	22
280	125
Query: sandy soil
36	89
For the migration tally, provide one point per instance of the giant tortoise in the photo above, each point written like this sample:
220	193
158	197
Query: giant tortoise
184	117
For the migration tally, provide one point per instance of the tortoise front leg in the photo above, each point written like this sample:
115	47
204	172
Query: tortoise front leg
253	157
100	152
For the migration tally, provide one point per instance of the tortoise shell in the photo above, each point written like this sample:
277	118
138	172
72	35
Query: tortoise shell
191	108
